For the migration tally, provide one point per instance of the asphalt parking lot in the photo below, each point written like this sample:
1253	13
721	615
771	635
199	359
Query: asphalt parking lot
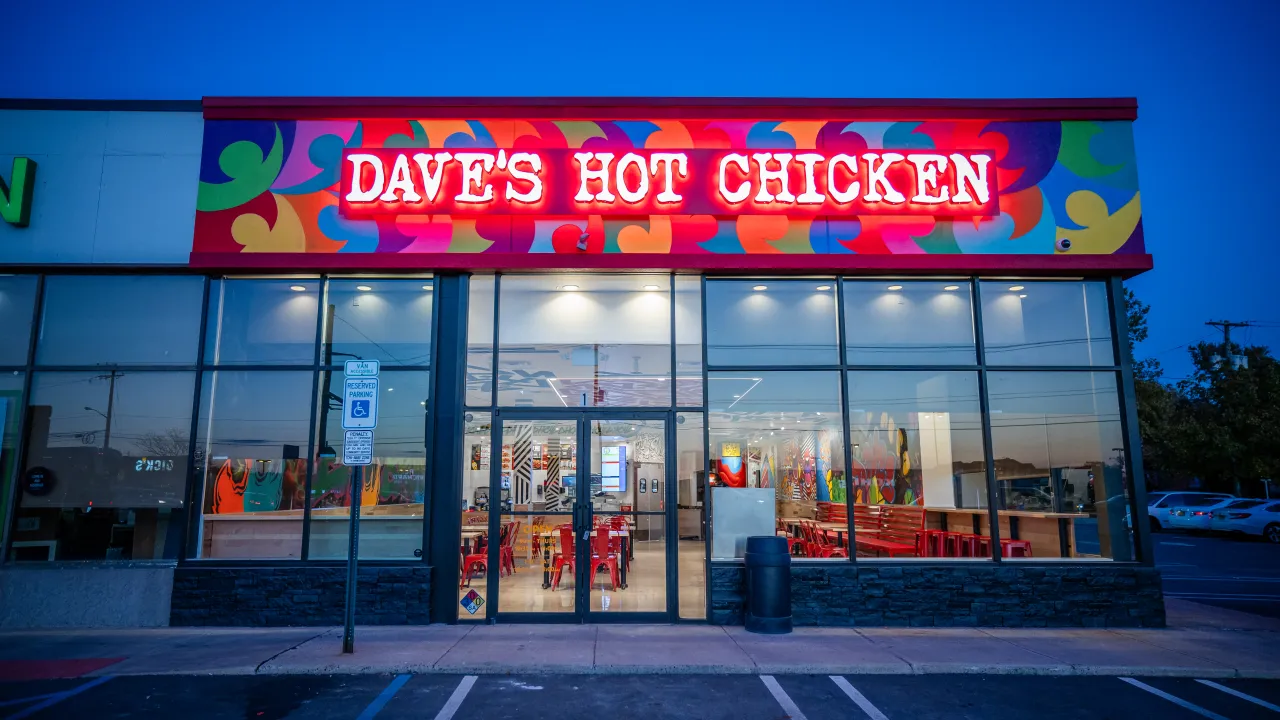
656	697
1226	572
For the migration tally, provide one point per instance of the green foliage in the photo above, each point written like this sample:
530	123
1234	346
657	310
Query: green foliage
1221	424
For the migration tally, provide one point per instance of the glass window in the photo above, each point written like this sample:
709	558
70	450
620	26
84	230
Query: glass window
777	461
1060	466
251	445
916	444
688	340
10	413
268	322
393	486
771	322
17	308
691	514
905	322
1046	323
106	466
477	448
379	319
585	340
480	341
120	320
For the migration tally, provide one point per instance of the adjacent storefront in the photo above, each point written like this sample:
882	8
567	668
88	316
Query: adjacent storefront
613	340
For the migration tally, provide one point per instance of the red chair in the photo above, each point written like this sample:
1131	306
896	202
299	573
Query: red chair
602	556
478	560
792	542
564	557
508	550
1015	548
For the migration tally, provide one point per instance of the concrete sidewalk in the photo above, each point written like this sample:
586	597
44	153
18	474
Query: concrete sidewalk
1203	644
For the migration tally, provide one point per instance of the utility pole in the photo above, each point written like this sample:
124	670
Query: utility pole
1225	326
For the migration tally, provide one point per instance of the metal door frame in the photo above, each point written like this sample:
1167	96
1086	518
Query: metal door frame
582	612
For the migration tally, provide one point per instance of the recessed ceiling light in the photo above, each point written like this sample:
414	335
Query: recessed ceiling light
651	287
1015	288
758	288
363	288
1022	296
426	287
570	288
951	287
737	396
390	389
824	287
895	287
297	288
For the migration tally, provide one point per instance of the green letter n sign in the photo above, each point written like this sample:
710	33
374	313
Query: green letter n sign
15	198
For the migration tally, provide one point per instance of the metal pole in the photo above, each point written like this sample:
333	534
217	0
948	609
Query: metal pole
353	553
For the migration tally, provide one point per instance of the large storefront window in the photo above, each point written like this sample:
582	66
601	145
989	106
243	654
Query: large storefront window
904	322
584	341
1061	475
771	322
1051	323
108	432
17	305
691	514
480	341
918	464
263	322
777	459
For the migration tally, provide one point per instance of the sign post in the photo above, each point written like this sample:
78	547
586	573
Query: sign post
359	418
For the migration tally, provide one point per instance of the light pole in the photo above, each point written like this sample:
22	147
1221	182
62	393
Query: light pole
106	434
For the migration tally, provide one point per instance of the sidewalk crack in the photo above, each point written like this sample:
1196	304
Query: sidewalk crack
461	637
258	668
755	665
595	648
889	649
1024	647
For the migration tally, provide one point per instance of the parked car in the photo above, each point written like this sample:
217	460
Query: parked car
1158	511
1225	517
1194	513
1262	519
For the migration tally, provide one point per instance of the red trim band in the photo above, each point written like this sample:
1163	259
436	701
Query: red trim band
614	108
1126	265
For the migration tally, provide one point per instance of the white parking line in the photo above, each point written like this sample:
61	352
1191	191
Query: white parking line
1173	699
455	700
858	698
788	705
1242	696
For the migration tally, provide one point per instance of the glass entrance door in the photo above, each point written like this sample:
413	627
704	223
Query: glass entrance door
581	529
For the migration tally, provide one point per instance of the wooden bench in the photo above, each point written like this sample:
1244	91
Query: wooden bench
894	532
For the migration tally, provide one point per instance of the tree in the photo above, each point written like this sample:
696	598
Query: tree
1158	405
168	443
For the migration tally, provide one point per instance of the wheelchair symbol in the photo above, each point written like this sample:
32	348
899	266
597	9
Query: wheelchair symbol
359	408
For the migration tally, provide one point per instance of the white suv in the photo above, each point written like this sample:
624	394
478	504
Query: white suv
1158	509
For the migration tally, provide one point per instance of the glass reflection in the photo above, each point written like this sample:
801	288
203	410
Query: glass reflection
897	322
480	341
252	447
1046	323
111	448
1060	470
17	308
269	322
120	320
771	322
585	340
379	319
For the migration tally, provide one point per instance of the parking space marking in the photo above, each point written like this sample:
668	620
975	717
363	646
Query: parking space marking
59	697
858	698
788	705
1174	699
1242	696
384	697
455	700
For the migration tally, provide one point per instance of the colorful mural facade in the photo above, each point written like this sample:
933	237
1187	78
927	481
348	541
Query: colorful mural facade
272	186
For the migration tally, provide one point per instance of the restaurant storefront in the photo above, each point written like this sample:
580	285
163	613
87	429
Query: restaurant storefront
615	338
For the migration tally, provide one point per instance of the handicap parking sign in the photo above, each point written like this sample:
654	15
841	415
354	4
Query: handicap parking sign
360	403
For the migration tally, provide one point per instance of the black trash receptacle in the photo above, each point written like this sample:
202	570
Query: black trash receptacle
768	585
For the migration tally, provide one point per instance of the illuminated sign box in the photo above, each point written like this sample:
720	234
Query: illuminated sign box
950	183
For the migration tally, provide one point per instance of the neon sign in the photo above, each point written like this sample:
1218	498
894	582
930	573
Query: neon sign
15	198
955	183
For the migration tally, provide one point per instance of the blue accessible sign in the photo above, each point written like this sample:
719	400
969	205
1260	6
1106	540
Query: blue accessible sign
360	403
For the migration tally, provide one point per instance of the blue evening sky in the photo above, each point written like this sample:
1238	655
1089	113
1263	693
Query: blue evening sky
1204	74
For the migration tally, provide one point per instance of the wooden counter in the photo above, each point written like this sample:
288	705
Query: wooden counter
1052	535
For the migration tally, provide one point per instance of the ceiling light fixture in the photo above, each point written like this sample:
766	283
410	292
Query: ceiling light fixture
297	288
1022	296
651	287
895	287
1015	288
949	288
426	287
363	288
570	288
823	288
758	288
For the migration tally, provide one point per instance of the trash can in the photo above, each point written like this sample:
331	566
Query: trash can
768	585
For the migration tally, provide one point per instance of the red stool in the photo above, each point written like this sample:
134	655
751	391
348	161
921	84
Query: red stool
968	545
1015	548
983	546
951	543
